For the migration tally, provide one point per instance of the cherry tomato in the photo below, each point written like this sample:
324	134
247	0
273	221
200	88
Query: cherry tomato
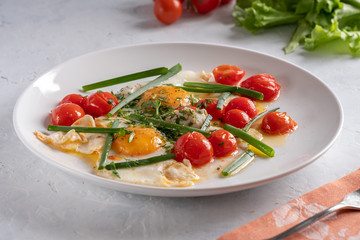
205	6
223	143
242	103
66	114
265	84
210	106
194	147
168	11
236	117
74	98
100	103
275	123
228	74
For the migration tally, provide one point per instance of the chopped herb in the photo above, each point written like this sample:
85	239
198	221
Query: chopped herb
131	137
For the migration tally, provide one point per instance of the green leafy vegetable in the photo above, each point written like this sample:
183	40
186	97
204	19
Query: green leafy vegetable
318	21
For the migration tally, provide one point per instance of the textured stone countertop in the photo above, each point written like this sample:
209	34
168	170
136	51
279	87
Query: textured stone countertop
39	201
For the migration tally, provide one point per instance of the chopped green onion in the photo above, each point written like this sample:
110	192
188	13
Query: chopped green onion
126	78
131	137
257	117
172	71
120	131
250	139
206	122
142	162
107	146
239	163
213	88
222	100
161	123
204	90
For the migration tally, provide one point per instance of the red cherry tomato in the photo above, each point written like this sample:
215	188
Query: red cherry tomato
223	143
228	74
205	6
66	114
236	117
275	123
210	106
265	84
74	98
168	11
242	103
194	147
100	103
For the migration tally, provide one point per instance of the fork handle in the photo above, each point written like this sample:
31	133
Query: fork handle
307	222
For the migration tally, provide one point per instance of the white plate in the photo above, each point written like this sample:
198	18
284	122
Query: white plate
306	99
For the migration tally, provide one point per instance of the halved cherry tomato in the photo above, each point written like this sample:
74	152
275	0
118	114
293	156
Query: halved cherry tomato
242	103
275	123
223	143
194	147
236	117
210	106
74	98
205	6
228	74
168	11
100	103
66	114
265	84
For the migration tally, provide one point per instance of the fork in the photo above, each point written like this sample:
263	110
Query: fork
350	201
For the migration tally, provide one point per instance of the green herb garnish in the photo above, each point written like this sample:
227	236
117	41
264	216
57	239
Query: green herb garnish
172	71
138	163
126	78
107	146
237	132
242	161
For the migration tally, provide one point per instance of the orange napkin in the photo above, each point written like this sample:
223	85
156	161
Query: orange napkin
340	225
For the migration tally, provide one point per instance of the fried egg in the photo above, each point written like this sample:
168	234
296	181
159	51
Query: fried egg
141	142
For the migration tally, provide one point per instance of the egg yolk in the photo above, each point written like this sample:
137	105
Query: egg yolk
145	141
168	96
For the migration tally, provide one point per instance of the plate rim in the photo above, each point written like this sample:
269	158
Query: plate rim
176	191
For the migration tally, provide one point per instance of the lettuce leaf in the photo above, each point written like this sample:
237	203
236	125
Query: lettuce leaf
318	21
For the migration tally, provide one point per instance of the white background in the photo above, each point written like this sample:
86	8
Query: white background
39	201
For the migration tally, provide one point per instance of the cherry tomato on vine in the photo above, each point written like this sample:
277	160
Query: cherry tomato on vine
265	84
210	106
74	98
242	103
168	11
228	74
66	114
276	123
194	147
223	143
236	117
100	103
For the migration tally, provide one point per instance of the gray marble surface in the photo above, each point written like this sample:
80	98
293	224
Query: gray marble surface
39	201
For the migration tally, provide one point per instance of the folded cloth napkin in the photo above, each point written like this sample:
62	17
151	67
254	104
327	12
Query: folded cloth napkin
340	225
